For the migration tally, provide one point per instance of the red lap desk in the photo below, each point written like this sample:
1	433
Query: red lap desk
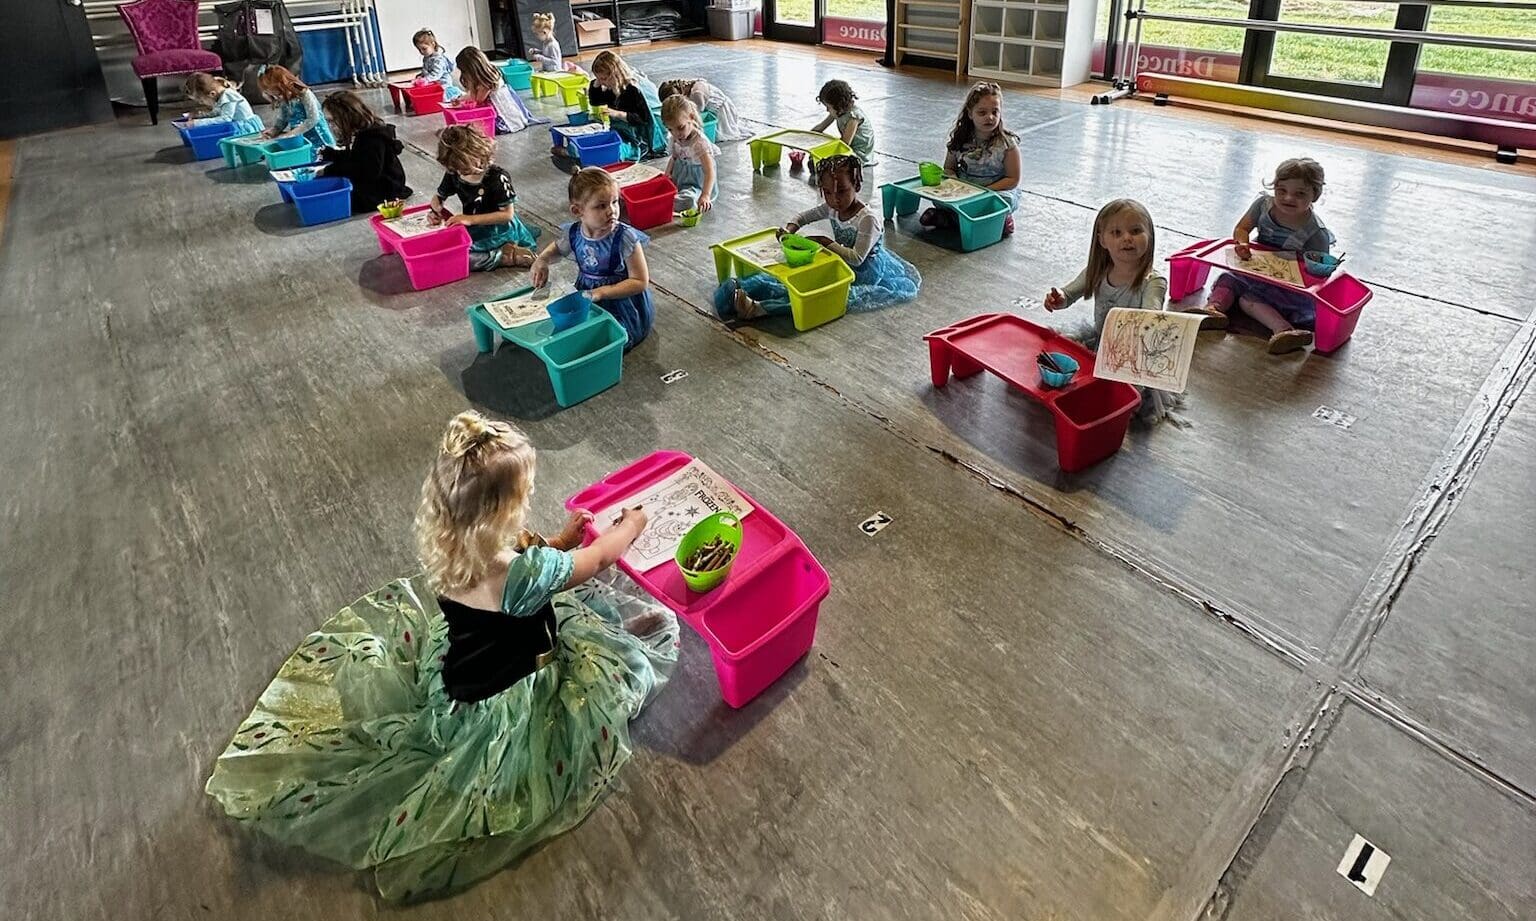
1339	297
431	259
1091	415
647	198
425	98
762	619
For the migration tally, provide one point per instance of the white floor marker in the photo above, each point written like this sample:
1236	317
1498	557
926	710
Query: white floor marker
874	523
672	377
1363	865
1333	416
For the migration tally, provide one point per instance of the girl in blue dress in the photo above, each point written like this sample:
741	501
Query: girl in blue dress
298	111
690	155
436	66
982	152
609	257
441	727
222	103
498	237
880	277
1284	221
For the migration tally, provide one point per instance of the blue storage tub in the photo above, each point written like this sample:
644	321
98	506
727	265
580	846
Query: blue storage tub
569	311
597	149
204	139
320	200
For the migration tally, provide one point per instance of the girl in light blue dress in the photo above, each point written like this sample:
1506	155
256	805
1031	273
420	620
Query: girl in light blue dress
298	111
609	255
690	155
880	277
1283	221
441	727
436	66
223	103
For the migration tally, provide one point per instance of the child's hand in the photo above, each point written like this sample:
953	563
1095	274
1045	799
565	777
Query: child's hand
1055	300
1244	251
538	274
436	217
705	204
633	514
570	536
455	220
596	294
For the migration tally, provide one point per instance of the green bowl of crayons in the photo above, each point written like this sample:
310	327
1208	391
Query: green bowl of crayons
708	551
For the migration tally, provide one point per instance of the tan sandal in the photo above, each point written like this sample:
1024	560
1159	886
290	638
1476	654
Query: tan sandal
1215	319
1289	340
746	308
516	257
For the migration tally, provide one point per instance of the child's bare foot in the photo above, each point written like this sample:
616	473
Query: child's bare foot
746	308
1289	340
1215	318
516	257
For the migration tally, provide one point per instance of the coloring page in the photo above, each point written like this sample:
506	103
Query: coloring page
951	189
1281	266
801	140
764	252
302	174
577	131
673	506
414	224
521	310
1148	348
635	173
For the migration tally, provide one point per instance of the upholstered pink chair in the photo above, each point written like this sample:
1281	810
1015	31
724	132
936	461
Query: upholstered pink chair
165	32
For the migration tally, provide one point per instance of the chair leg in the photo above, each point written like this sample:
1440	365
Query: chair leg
152	97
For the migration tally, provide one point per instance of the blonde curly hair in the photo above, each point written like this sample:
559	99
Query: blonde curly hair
473	500
543	22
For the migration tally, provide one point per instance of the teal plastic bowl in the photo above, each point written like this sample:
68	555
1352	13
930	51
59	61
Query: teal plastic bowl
1320	265
1059	378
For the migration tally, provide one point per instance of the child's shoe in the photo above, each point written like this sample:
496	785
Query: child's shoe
1289	340
937	217
1008	226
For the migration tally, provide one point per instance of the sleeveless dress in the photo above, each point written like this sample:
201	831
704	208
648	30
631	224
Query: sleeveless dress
882	279
357	752
1299	309
605	262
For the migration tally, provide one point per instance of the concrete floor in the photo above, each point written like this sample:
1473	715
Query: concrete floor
1171	687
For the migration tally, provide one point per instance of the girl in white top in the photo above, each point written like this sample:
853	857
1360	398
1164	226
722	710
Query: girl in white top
1120	274
690	155
710	98
880	277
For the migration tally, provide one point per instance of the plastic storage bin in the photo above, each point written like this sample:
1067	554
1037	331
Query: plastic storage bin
981	221
321	200
818	293
425	99
484	116
431	259
571	88
711	125
586	359
288	152
596	149
237	154
646	204
518	74
567	311
730	25
1091	421
204	139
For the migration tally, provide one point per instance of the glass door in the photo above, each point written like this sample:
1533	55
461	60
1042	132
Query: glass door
793	20
1366	69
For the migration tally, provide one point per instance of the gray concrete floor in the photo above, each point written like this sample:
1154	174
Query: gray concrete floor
1171	687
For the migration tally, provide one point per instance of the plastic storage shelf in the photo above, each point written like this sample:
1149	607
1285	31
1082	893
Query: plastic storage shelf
818	293
762	619
571	88
980	218
1339	297
431	259
1091	415
766	149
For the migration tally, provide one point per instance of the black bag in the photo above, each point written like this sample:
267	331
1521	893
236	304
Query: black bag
245	49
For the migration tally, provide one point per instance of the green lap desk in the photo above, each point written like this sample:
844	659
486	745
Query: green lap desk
980	217
582	361
767	148
818	293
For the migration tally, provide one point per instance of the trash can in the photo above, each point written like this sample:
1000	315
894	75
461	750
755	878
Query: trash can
730	25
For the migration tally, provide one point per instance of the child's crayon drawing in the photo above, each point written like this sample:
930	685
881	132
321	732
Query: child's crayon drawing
1148	348
634	174
414	224
1281	266
521	310
673	506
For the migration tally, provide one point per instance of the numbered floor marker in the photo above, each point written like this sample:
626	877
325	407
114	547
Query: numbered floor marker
874	523
1363	865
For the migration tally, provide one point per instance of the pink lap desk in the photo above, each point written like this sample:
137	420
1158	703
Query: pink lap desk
1091	415
431	259
1339	297
762	619
484	116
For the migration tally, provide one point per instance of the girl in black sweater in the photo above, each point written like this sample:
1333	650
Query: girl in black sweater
369	154
630	99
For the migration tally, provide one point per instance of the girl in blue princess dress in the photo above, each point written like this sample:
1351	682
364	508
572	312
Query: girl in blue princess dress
880	277
982	152
1284	221
298	111
436	66
222	103
690	155
498	237
610	261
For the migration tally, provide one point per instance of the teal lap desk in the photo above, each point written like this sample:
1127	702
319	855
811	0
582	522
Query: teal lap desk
279	153
979	212
768	148
582	361
818	293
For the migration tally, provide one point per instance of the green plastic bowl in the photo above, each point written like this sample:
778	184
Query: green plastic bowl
390	212
930	173
798	251
721	524
689	218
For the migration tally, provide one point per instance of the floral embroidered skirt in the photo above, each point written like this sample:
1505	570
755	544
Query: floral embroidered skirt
355	753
